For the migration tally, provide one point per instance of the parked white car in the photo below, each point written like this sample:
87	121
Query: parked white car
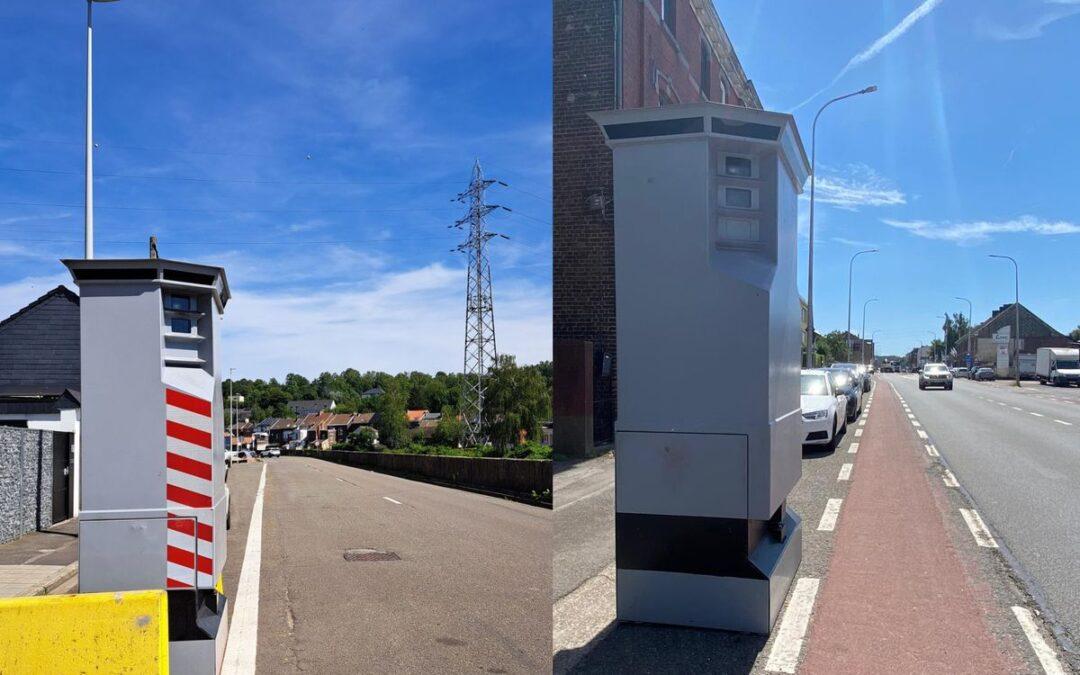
822	407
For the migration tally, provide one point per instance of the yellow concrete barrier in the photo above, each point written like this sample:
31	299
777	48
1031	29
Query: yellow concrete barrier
126	632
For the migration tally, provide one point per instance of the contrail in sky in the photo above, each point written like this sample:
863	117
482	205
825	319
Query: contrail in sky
880	44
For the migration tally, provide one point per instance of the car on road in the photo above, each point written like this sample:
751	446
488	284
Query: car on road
822	409
935	375
272	452
860	372
983	374
846	382
960	371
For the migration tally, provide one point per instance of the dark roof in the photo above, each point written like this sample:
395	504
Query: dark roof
374	391
309	407
1031	326
39	344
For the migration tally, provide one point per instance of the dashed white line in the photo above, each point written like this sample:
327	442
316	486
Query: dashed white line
1015	408
1043	651
845	472
978	528
853	448
391	499
1068	424
1037	414
784	655
932	451
910	416
922	434
862	422
916	423
858	432
828	518
244	629
950	479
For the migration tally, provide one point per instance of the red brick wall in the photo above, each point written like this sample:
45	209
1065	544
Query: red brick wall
584	80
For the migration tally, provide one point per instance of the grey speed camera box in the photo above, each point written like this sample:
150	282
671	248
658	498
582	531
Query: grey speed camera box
708	430
154	502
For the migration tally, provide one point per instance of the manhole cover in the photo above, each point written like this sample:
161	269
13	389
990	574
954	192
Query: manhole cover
369	555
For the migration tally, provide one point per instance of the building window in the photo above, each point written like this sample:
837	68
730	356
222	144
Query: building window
738	198
180	302
667	14
178	325
742	167
706	70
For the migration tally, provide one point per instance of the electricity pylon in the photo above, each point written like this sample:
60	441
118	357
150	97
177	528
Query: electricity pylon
480	351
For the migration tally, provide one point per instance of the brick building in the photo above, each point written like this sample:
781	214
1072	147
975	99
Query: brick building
613	54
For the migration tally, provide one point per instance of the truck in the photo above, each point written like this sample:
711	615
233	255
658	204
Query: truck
1059	366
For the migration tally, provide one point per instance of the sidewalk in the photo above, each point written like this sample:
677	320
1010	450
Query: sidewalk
898	596
41	563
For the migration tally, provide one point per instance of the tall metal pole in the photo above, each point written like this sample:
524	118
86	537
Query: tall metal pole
862	332
810	263
89	205
1016	305
851	267
480	350
970	329
232	414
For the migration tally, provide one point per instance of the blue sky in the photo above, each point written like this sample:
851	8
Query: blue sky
207	114
969	148
312	149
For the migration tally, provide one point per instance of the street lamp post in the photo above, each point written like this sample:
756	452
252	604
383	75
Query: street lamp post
851	267
862	332
1016	338
970	328
873	341
88	216
810	265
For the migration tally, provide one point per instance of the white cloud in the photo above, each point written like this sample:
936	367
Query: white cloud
1061	9
880	44
402	321
18	294
855	186
970	232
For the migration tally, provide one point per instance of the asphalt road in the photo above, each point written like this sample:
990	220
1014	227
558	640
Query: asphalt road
1017	454
470	592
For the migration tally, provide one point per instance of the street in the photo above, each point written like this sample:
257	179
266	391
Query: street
469	592
897	580
1017	453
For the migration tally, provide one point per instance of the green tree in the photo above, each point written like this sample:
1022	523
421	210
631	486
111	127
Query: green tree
363	439
1074	334
517	400
450	430
390	417
831	348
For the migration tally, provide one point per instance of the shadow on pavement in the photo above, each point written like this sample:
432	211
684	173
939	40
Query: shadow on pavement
648	648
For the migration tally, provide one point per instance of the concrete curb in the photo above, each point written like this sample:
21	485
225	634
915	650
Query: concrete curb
581	619
55	581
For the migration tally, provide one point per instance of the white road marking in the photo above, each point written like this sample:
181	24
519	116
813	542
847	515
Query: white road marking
950	479
932	451
607	488
1000	403
828	518
910	416
853	449
244	627
1015	408
862	422
845	472
390	499
858	432
784	655
1037	414
978	528
1045	653
922	434
915	423
1068	424
340	479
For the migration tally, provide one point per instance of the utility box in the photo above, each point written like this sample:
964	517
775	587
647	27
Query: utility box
154	501
708	430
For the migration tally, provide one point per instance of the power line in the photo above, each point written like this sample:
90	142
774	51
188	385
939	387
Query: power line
208	210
